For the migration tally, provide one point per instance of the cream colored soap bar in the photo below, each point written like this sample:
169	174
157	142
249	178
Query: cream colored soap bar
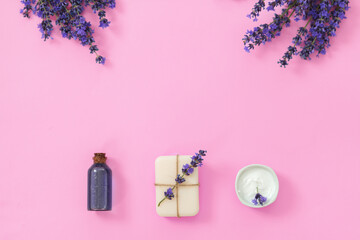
186	201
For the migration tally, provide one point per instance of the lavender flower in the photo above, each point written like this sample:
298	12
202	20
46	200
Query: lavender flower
68	14
262	199
28	7
169	194
322	19
104	23
260	5
259	199
100	59
179	179
202	152
196	161
187	169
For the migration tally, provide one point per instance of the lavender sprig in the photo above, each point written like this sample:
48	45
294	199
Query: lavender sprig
28	7
196	161
259	199
323	17
260	5
68	15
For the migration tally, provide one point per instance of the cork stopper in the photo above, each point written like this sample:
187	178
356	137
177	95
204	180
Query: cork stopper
99	158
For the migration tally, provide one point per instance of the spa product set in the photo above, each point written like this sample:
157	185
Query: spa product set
177	185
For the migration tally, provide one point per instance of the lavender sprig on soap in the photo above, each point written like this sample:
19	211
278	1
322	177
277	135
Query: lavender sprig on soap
188	169
69	15
321	20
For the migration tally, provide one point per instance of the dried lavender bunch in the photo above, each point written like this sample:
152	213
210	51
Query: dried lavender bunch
68	15
259	199
196	161
322	18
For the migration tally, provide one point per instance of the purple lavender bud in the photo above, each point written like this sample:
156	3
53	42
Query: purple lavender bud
262	199
202	152
169	194
179	179
100	59
187	169
104	23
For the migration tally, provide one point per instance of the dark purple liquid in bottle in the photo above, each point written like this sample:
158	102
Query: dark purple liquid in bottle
99	184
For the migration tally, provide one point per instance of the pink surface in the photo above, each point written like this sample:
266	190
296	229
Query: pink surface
177	80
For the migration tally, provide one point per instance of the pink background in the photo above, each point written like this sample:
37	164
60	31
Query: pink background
177	79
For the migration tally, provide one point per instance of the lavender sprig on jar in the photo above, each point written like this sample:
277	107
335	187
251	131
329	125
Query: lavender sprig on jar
188	169
68	15
321	20
259	199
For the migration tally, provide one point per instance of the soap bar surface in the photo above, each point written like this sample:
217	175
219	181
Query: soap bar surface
187	203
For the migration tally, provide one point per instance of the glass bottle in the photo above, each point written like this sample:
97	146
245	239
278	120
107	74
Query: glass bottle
99	184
